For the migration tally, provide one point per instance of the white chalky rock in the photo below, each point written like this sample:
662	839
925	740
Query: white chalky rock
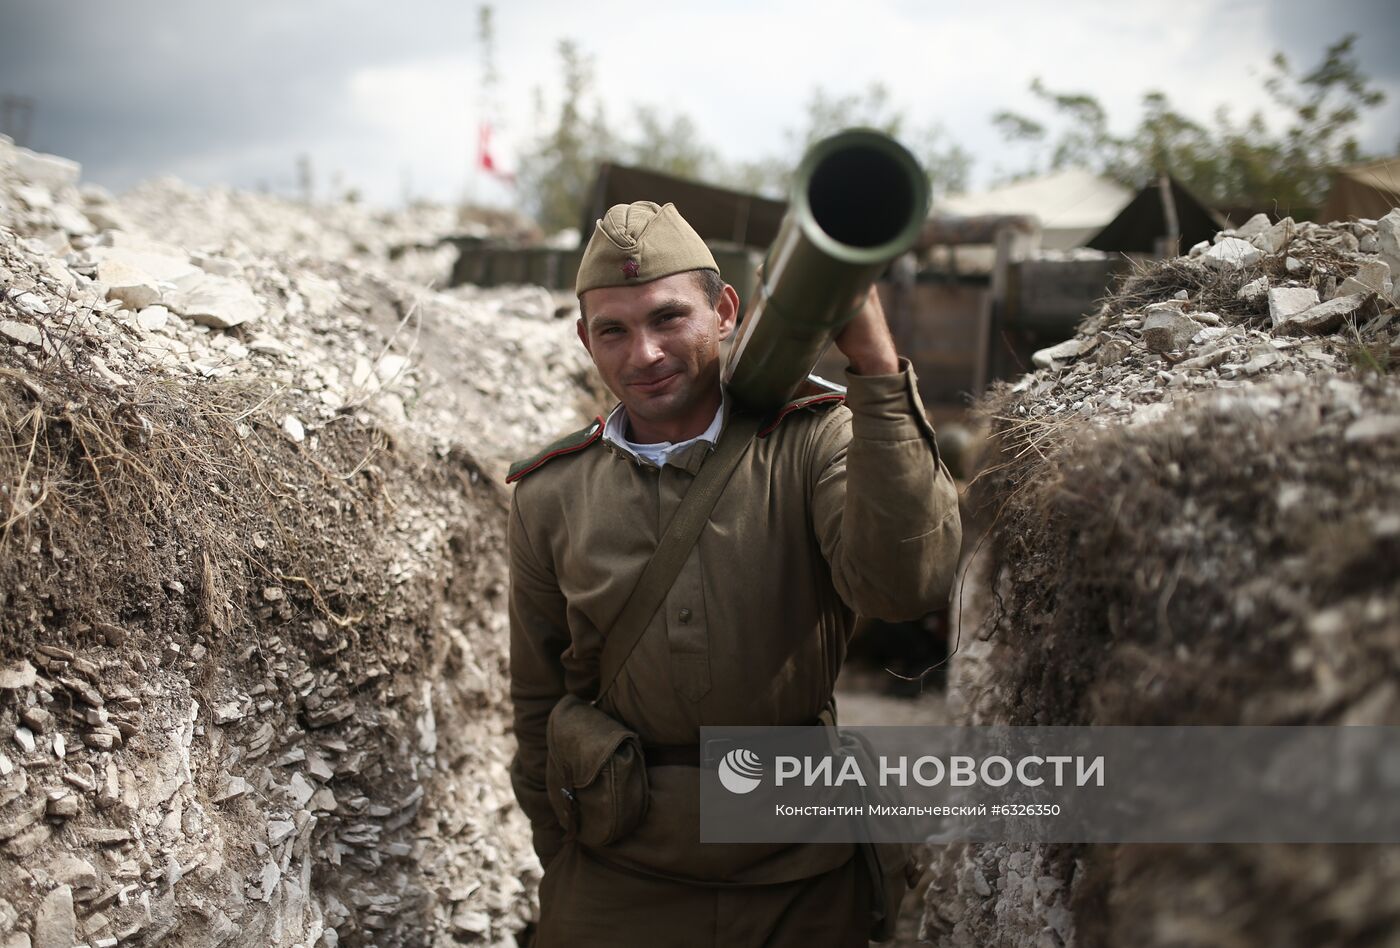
1371	277
300	790
20	332
293	428
133	287
214	301
1388	239
1286	301
36	199
391	367
1276	237
107	217
157	261
67	869
55	925
471	922
1253	290
1167	329
233	787
1253	227
72	221
32	304
1324	317
61	275
1373	428
218	266
19	675
322	296
279	830
1232	253
153	318
50	171
1047	358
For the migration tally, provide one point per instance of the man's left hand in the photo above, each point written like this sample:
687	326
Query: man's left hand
866	341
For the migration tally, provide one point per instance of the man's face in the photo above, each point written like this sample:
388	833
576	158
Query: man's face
657	347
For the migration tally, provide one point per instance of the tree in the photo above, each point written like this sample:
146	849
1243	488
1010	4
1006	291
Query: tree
559	166
1083	140
946	163
1326	104
557	170
672	145
1226	163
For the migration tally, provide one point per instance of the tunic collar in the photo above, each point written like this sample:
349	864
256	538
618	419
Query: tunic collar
684	454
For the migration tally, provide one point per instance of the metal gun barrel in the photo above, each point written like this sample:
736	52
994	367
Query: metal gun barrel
858	200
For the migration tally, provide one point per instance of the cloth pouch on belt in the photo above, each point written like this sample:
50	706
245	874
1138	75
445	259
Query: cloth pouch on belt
595	773
892	868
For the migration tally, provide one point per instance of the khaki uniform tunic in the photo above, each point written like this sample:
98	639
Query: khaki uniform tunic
838	510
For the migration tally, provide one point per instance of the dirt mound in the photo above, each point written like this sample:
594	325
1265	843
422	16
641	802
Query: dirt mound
1193	517
253	660
405	243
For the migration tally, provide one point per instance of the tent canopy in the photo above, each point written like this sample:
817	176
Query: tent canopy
1144	220
1072	205
1368	190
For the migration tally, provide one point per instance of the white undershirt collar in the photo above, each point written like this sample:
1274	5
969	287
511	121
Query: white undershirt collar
615	431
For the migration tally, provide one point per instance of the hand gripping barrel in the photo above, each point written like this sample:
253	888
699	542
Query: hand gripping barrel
858	200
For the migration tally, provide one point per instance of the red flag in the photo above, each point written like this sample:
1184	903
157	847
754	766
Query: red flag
484	159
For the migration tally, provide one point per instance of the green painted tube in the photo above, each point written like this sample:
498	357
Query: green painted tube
859	199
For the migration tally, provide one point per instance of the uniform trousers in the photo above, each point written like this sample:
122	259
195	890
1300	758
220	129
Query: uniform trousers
586	903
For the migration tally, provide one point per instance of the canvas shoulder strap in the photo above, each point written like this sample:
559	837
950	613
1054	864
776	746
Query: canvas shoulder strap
675	546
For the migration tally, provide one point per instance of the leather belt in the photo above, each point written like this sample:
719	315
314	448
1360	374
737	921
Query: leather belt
707	754
671	755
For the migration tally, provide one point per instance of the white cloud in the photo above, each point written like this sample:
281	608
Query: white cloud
419	131
387	93
746	72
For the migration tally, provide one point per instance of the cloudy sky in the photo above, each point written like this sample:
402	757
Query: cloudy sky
384	96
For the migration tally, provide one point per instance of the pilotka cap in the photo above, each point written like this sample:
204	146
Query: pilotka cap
640	242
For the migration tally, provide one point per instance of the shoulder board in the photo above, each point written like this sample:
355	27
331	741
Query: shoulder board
821	401
569	444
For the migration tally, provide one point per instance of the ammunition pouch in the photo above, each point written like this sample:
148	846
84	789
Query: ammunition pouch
891	868
595	773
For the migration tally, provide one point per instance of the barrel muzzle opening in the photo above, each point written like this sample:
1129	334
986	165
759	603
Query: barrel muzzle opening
861	196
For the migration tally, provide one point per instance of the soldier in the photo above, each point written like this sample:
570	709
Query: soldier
838	506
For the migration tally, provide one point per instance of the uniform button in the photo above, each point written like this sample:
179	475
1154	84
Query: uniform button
684	615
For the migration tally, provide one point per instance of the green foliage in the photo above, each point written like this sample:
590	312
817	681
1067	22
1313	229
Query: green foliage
671	145
557	170
1084	140
1225	163
559	166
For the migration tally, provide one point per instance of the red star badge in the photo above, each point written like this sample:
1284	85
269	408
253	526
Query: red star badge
630	268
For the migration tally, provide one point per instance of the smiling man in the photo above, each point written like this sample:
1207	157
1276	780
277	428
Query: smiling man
834	509
654	345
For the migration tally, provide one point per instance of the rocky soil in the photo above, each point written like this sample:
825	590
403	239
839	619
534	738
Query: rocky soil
252	629
1192	516
252	632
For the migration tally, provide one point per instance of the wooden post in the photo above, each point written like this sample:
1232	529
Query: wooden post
1170	244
